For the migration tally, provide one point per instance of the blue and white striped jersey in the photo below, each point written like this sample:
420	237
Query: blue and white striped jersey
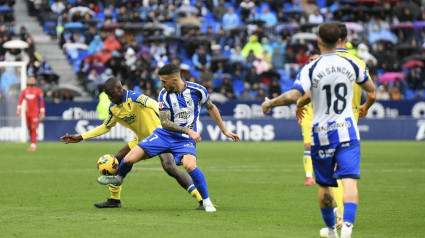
185	106
331	78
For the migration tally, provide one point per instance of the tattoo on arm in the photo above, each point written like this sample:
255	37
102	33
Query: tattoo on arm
165	118
209	105
287	98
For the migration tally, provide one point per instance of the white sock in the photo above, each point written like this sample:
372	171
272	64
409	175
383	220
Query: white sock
33	145
309	175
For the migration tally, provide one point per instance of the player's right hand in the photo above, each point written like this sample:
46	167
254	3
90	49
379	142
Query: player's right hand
299	112
266	106
71	138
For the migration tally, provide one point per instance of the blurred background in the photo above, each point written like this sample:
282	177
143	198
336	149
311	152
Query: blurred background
240	50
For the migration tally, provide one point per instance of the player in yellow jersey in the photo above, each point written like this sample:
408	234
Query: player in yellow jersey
139	113
358	110
305	124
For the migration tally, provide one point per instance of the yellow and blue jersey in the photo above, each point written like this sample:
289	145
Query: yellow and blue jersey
137	112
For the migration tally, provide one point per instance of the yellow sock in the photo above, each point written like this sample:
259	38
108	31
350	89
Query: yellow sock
115	191
308	164
194	192
338	196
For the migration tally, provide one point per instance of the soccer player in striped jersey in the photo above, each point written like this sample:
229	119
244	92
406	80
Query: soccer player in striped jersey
179	105
139	113
35	110
358	110
335	136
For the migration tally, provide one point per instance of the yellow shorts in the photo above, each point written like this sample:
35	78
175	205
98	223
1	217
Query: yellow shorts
133	143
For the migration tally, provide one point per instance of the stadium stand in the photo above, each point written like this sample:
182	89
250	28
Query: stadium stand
131	39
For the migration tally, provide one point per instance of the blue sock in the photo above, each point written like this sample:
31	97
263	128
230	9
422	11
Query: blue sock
124	168
350	210
329	216
199	181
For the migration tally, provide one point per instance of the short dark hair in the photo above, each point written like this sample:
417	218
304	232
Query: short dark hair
110	83
330	34
169	69
342	31
314	52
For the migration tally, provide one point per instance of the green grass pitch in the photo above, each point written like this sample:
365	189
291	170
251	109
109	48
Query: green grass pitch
258	188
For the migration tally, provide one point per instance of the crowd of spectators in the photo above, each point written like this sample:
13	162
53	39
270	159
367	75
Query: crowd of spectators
13	50
237	49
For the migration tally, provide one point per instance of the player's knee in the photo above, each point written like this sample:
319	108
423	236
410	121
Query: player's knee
190	167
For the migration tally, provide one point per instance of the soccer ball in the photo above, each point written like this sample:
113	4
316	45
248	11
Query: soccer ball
108	165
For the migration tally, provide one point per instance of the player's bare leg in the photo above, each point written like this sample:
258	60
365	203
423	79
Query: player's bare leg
169	165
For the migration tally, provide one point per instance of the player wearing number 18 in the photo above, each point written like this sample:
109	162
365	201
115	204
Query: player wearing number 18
335	136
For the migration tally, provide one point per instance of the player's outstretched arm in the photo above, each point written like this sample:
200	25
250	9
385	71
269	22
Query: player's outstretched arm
215	115
369	87
100	130
287	98
371	97
71	138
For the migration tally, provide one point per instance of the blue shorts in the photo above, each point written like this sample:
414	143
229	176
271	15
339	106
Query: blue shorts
345	154
163	141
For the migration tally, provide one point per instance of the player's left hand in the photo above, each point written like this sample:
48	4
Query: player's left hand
231	135
42	117
266	106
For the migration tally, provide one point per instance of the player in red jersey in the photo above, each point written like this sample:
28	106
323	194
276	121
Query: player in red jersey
35	109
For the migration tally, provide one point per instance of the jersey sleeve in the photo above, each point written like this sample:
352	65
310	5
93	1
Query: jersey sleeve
303	82
204	95
109	122
363	74
162	101
100	130
148	102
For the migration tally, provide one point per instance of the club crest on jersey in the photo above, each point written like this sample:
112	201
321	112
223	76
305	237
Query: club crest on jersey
189	102
161	105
